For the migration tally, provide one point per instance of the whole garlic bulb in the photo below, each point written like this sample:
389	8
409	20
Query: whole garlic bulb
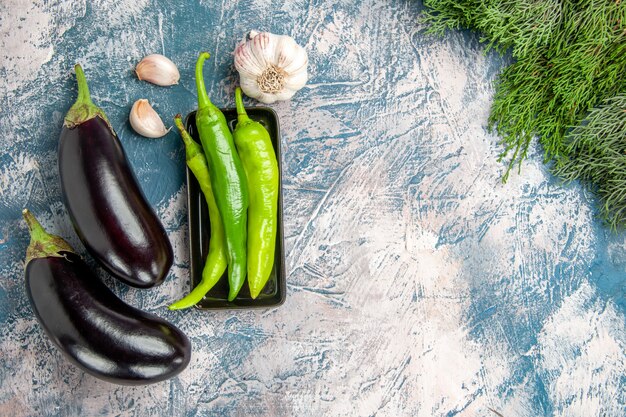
146	121
157	69
271	67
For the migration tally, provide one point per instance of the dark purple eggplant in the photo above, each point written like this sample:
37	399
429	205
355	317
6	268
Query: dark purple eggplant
94	328
105	202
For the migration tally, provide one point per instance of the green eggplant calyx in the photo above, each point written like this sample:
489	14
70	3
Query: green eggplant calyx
83	109
42	243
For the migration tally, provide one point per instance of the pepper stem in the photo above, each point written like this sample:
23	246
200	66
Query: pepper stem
83	109
203	97
178	121
42	243
191	146
242	116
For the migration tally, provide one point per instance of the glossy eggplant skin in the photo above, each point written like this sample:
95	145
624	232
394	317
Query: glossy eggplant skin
96	330
107	207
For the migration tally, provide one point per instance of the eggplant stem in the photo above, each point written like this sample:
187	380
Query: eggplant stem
83	108
84	97
203	97
35	228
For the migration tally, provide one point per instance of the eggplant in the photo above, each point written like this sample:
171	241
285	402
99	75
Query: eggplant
94	328
107	207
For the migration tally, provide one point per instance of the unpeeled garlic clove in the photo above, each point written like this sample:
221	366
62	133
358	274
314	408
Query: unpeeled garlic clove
157	69
146	121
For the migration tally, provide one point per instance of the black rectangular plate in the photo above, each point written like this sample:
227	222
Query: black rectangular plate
274	292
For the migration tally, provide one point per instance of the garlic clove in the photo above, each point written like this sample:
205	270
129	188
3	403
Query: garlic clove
157	69
298	64
267	48
267	98
250	87
284	95
292	57
246	62
296	81
146	121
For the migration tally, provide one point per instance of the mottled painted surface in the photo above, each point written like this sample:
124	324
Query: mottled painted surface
418	284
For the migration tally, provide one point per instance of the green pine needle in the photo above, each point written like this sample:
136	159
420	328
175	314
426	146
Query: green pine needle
596	154
569	58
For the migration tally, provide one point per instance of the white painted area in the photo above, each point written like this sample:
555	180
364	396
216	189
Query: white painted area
15	176
581	353
29	32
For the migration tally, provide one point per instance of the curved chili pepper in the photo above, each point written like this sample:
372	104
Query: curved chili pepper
259	162
227	179
216	262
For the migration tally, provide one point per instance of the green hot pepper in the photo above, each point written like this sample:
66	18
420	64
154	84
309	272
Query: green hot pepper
259	162
227	179
216	258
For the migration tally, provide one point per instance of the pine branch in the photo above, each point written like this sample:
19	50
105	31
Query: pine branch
569	58
597	156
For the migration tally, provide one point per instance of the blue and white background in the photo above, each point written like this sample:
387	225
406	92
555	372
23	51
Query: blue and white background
418	283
